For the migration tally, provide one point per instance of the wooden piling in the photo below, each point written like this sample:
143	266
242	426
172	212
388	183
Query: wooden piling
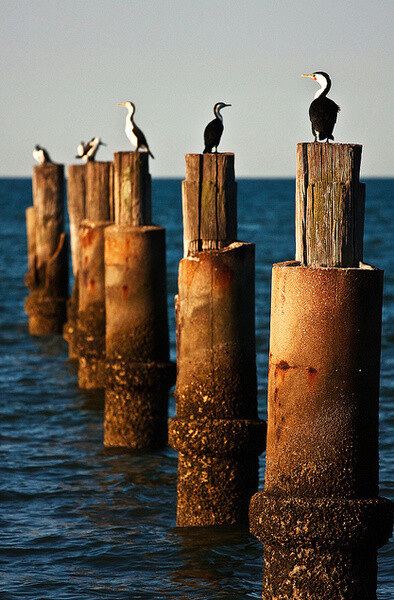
99	202
76	192
132	189
47	277
209	202
90	336
216	430
329	205
320	517
139	372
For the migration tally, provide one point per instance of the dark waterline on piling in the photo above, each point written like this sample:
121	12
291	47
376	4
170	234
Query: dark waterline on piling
79	521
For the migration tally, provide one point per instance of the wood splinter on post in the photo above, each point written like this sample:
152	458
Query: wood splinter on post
47	277
320	518
216	430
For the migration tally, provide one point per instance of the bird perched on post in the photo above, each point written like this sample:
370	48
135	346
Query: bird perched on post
214	129
322	111
41	155
88	151
133	132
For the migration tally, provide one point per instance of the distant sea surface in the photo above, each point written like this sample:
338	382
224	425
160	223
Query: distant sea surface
79	522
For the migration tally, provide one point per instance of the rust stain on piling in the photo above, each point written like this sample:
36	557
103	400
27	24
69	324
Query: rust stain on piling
92	284
276	393
312	374
189	269
125	291
283	365
281	369
87	238
85	274
223	275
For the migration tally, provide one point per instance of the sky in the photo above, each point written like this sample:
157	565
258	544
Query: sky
66	64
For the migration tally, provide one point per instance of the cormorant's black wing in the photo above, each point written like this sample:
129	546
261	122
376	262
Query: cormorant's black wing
212	134
323	115
47	158
86	148
140	137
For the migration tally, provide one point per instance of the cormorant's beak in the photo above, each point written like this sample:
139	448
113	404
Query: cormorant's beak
311	76
227	105
102	144
121	103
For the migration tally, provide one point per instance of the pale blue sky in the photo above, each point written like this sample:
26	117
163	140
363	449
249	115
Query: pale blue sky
66	65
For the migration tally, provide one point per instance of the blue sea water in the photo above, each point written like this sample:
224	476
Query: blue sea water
79	522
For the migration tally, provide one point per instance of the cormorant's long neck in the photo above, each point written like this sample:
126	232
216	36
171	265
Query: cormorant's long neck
323	91
131	113
217	113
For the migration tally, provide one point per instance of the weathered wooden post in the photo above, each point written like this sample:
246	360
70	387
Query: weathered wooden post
216	430
76	186
320	517
139	373
99	203
90	334
47	277
132	189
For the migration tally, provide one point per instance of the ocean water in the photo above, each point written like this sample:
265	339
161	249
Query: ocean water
79	522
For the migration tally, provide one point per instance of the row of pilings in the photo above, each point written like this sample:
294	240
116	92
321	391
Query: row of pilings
320	518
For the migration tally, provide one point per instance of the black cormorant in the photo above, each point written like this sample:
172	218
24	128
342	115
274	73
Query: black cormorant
214	129
133	132
322	111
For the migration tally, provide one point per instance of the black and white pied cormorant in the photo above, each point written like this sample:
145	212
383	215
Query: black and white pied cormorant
323	111
88	151
41	155
214	129
133	132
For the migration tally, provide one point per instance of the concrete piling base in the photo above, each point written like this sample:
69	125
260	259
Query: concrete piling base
320	548
90	326
90	344
217	469
320	518
216	430
136	404
323	382
46	314
70	326
139	373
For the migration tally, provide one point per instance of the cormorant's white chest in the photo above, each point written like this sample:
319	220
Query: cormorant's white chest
39	156
129	129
